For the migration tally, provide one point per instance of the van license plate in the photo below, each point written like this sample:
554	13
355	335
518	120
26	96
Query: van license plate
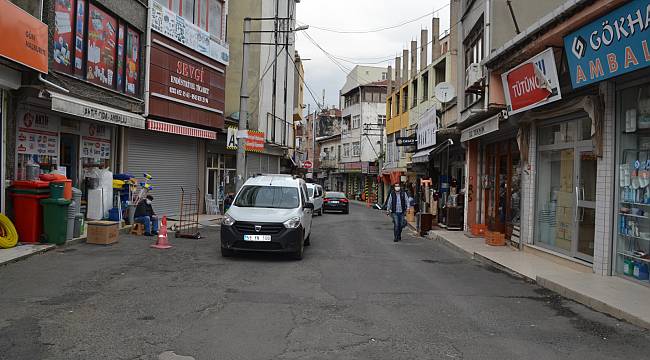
257	237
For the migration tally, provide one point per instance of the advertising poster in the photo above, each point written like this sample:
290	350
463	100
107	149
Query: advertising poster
62	39
102	38
79	40
132	53
37	134
95	141
120	58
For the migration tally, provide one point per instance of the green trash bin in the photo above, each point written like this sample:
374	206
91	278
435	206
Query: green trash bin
56	190
55	220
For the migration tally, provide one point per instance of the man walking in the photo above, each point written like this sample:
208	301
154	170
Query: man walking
396	205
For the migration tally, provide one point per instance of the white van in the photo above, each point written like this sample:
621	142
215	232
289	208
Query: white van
315	193
270	213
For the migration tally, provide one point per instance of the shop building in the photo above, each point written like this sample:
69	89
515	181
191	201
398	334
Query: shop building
21	62
72	116
579	129
184	104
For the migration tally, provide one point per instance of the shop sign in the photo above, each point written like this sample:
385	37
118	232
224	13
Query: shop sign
24	38
37	133
406	141
95	141
613	45
85	109
531	84
353	167
427	127
175	27
231	138
364	167
255	141
373	169
480	129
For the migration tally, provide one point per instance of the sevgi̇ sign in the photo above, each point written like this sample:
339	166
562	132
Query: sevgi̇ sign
531	84
615	44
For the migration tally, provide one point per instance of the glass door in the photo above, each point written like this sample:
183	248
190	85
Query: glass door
585	224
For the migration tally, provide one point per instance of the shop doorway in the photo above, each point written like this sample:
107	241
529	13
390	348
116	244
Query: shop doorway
69	158
220	182
566	189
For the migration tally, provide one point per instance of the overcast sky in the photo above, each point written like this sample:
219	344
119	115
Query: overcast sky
358	15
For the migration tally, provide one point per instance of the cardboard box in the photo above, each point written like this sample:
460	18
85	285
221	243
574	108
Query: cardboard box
102	232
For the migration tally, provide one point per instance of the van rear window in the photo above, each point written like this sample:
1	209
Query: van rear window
268	197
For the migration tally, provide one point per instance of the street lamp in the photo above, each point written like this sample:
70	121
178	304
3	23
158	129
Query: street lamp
243	91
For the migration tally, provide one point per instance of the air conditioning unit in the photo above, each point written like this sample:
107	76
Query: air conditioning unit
473	76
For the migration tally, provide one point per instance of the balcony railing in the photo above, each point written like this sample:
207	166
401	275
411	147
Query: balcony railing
279	131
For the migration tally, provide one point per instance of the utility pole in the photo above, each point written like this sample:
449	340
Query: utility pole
243	109
313	143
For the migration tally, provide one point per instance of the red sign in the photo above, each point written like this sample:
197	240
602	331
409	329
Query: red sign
24	39
526	87
307	164
255	141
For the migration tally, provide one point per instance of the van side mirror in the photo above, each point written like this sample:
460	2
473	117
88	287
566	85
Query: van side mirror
309	205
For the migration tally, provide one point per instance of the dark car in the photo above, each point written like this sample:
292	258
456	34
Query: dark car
336	201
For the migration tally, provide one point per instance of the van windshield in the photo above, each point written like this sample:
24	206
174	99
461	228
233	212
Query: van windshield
310	191
268	197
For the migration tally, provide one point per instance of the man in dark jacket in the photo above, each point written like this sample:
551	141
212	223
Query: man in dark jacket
144	214
397	204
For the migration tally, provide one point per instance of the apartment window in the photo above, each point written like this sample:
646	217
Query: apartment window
405	100
384	75
356	150
338	153
346	150
367	95
215	15
206	14
390	108
425	86
381	120
345	125
356	121
473	54
89	42
414	102
398	104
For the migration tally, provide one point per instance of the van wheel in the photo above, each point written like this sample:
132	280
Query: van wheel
227	252
299	253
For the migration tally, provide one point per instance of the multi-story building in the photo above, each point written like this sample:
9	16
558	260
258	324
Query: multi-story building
328	164
362	126
271	79
552	164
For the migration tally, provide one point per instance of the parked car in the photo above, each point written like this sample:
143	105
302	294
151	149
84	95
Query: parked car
315	193
336	201
270	213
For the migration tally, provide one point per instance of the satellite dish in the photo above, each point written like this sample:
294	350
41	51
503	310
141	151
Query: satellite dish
444	92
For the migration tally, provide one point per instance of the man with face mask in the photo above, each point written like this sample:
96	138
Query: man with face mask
144	215
396	205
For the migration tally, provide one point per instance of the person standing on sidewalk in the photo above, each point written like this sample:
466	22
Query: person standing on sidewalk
397	204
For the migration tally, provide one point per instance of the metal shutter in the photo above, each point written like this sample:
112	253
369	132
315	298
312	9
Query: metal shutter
253	164
172	161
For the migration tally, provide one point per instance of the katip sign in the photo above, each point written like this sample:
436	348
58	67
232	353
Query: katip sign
613	45
531	84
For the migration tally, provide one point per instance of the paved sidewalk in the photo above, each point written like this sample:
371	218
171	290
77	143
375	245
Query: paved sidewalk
614	296
22	251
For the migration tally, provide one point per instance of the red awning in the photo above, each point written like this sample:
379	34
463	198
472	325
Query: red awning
180	130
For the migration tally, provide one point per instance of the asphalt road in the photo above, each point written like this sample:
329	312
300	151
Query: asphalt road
356	295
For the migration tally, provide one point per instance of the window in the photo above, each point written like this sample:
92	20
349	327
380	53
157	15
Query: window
398	104
390	108
389	148
356	150
473	54
338	154
381	120
384	75
367	95
215	13
425	86
405	100
346	150
187	10
345	125
414	102
356	121
105	51
440	72
268	197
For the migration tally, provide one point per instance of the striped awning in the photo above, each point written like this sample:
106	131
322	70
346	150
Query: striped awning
161	126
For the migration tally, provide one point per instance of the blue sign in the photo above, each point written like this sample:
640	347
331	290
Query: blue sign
613	45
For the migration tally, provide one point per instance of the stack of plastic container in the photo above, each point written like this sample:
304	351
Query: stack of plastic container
55	214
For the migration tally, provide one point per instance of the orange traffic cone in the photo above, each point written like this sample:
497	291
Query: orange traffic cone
162	242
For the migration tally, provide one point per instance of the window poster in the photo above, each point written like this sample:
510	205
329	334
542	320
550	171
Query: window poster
132	53
62	39
102	37
120	58
79	38
95	141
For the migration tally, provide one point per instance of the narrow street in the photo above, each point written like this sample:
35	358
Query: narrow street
356	295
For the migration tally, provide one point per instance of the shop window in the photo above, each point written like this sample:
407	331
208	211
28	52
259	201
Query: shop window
63	35
633	225
91	43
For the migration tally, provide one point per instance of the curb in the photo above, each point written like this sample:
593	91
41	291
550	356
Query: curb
559	289
25	256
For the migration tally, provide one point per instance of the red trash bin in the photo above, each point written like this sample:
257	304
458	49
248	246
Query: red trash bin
28	213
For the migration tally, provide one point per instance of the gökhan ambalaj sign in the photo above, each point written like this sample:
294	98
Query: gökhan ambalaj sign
613	45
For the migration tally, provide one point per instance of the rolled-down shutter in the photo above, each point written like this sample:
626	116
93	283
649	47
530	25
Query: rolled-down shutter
172	161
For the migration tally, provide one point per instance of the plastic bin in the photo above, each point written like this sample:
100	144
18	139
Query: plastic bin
67	188
28	216
71	214
56	190
55	220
